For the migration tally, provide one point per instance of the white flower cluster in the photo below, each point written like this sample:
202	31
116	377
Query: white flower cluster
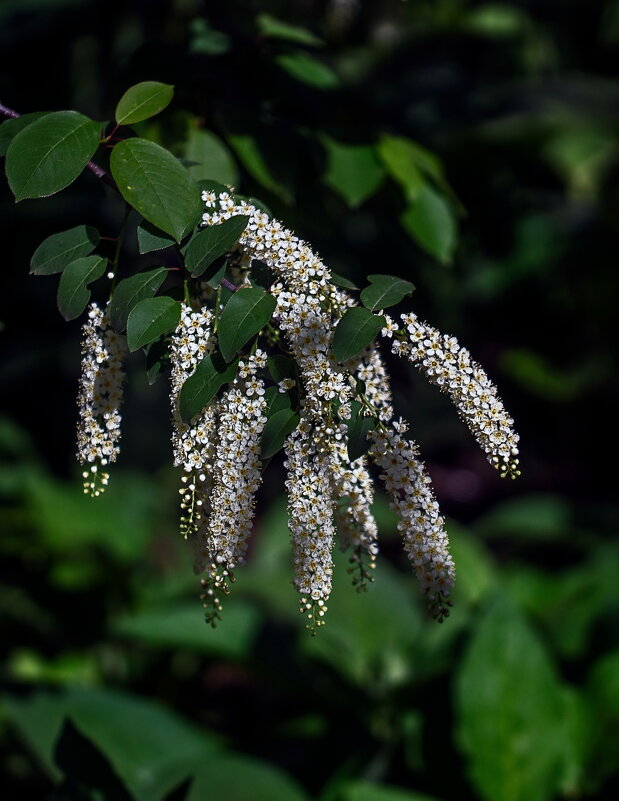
448	365
99	398
194	444
236	478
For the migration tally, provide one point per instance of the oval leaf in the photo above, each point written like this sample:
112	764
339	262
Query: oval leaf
358	428
356	329
10	128
59	250
211	242
245	314
308	70
150	319
210	374
213	159
156	184
50	153
276	430
385	291
432	224
150	238
73	295
142	101
353	171
130	292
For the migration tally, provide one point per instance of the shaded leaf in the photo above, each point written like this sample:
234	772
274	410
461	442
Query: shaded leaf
339	280
214	160
281	367
10	128
254	161
356	329
308	70
130	291
73	294
211	242
359	425
247	311
276	29
431	223
142	101
151	318
385	291
509	710
277	428
276	401
156	185
353	171
50	153
199	389
59	250
151	238
368	791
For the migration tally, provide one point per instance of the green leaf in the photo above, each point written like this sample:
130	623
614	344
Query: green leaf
59	250
151	238
151	751
276	29
409	163
254	161
215	162
201	387
510	710
10	128
353	171
211	242
150	319
385	291
130	291
356	329
50	153
368	791
73	295
277	428
339	280
228	777
142	101
431	223
281	367
359	425
276	401
247	311
156	185
308	70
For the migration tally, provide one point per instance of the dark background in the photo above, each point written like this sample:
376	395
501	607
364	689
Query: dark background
520	103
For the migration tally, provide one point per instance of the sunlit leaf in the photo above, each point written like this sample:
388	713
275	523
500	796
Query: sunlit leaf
142	101
276	29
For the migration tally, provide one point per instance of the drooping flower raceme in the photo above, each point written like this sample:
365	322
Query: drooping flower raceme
99	399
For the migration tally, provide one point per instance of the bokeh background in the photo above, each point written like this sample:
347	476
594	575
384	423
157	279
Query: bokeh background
470	147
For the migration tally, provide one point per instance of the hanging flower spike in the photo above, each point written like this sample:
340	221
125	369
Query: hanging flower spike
448	365
99	399
236	478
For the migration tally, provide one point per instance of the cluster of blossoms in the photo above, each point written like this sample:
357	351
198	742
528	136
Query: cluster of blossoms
99	398
329	491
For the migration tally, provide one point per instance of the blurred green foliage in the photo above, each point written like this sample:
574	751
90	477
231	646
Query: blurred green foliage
469	147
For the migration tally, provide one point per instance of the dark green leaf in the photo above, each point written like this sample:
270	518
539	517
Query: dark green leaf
213	159
248	310
142	101
510	710
261	274
50	153
59	250
276	430
358	428
281	367
151	238
211	242
179	793
276	29
385	291
276	401
150	319
254	161
156	356
10	128
130	291
73	294
83	764
353	171
212	275
199	389
309	70
356	329
367	791
339	280
157	185
431	223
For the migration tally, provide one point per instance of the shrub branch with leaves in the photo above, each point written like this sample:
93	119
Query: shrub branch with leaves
268	350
